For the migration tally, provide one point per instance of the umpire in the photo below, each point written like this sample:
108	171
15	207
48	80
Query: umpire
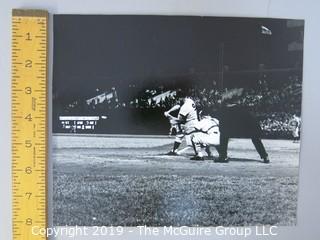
237	121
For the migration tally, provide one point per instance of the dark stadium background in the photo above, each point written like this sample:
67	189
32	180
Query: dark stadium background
137	56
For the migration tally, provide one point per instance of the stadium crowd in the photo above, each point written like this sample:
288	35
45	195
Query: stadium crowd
273	105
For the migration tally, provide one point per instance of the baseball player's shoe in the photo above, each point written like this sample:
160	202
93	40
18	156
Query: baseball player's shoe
266	159
197	158
221	160
172	153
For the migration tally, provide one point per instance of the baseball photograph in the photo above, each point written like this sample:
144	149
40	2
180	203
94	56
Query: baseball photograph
176	120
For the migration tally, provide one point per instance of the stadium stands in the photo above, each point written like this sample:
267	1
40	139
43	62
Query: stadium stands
274	107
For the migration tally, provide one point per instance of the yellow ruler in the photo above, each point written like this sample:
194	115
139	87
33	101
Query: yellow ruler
29	122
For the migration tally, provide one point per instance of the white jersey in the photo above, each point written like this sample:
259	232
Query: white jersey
294	126
208	125
294	123
189	113
188	110
207	132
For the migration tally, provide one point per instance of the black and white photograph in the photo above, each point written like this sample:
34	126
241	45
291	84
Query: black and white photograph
176	120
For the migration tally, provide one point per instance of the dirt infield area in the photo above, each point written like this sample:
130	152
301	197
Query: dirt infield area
128	181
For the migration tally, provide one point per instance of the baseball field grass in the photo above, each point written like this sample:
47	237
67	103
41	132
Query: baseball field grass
129	182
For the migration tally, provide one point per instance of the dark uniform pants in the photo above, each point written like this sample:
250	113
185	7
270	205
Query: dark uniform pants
223	148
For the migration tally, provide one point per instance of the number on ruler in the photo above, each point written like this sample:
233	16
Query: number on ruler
29	221
28	117
28	144
28	170
28	63
28	36
28	90
28	195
